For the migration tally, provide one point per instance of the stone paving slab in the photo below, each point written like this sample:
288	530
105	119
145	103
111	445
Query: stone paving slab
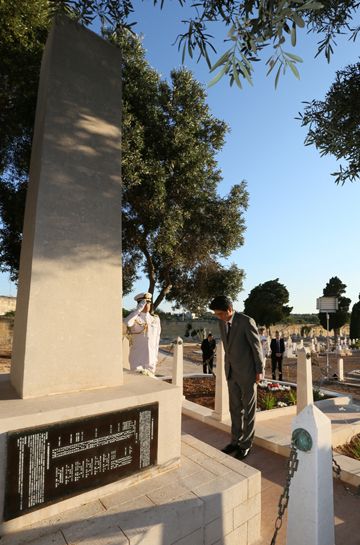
273	478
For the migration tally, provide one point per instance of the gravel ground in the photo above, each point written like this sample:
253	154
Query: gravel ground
351	363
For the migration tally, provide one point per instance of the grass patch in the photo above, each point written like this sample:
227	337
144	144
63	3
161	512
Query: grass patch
352	448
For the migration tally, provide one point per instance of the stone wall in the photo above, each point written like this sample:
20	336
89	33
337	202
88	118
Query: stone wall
7	304
6	335
171	328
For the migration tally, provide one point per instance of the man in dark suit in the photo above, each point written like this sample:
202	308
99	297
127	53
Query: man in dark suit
243	370
208	350
277	347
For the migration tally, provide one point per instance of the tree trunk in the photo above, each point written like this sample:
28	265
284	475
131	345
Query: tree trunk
162	295
150	270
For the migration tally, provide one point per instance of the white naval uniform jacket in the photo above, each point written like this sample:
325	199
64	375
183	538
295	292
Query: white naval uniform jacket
145	337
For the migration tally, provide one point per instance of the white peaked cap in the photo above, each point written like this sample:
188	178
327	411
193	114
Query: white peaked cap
141	296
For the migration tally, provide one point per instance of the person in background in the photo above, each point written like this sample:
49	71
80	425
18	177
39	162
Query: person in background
277	347
243	370
144	330
208	351
264	345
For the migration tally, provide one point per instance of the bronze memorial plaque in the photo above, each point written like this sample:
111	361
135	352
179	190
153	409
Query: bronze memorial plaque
49	463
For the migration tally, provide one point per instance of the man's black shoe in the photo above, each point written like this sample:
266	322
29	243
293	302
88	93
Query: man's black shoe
241	453
230	448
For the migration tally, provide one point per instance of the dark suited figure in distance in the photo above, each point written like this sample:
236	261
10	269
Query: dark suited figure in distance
277	347
243	370
208	349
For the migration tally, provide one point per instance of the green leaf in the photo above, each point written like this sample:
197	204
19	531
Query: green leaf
272	63
189	49
183	53
293	35
237	79
277	76
293	57
294	69
312	5
221	61
246	61
219	75
298	20
244	71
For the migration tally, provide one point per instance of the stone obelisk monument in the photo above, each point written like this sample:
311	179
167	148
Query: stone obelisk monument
73	425
69	301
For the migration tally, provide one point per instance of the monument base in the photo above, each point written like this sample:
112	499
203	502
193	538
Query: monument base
210	499
58	412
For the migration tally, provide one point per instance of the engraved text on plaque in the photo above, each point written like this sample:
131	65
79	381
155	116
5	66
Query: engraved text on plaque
49	463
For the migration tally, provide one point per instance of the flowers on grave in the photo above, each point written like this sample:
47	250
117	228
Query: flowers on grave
274	386
140	369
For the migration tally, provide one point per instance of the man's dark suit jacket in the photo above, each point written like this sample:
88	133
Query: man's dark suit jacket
243	352
273	346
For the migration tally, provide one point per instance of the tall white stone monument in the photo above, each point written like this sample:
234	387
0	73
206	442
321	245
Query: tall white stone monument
73	425
69	300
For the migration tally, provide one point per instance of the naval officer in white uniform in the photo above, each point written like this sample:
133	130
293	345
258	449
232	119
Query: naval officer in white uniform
144	330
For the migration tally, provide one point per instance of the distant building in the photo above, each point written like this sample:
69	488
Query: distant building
7	304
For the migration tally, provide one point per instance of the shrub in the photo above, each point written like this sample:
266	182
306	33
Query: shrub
317	394
269	401
352	448
187	330
291	397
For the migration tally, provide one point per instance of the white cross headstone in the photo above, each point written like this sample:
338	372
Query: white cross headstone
178	364
304	380
221	411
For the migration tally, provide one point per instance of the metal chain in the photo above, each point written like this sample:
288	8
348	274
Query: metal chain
337	473
292	466
170	351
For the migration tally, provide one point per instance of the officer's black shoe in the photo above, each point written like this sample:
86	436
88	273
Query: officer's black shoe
230	448
241	453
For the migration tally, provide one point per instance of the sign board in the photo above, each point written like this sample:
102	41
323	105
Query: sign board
327	304
49	463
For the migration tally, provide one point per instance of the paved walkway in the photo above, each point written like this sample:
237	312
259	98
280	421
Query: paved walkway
165	365
273	475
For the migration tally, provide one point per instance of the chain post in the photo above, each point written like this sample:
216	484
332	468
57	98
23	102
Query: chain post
170	352
337	472
292	466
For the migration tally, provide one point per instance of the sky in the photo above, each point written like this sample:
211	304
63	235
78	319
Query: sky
301	227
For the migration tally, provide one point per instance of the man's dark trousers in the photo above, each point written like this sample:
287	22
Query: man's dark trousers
242	404
276	362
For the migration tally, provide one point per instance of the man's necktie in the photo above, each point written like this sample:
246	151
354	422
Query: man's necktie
228	330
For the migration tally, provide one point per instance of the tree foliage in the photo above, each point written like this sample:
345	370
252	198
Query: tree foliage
23	31
334	123
175	225
355	321
335	288
250	26
267	303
